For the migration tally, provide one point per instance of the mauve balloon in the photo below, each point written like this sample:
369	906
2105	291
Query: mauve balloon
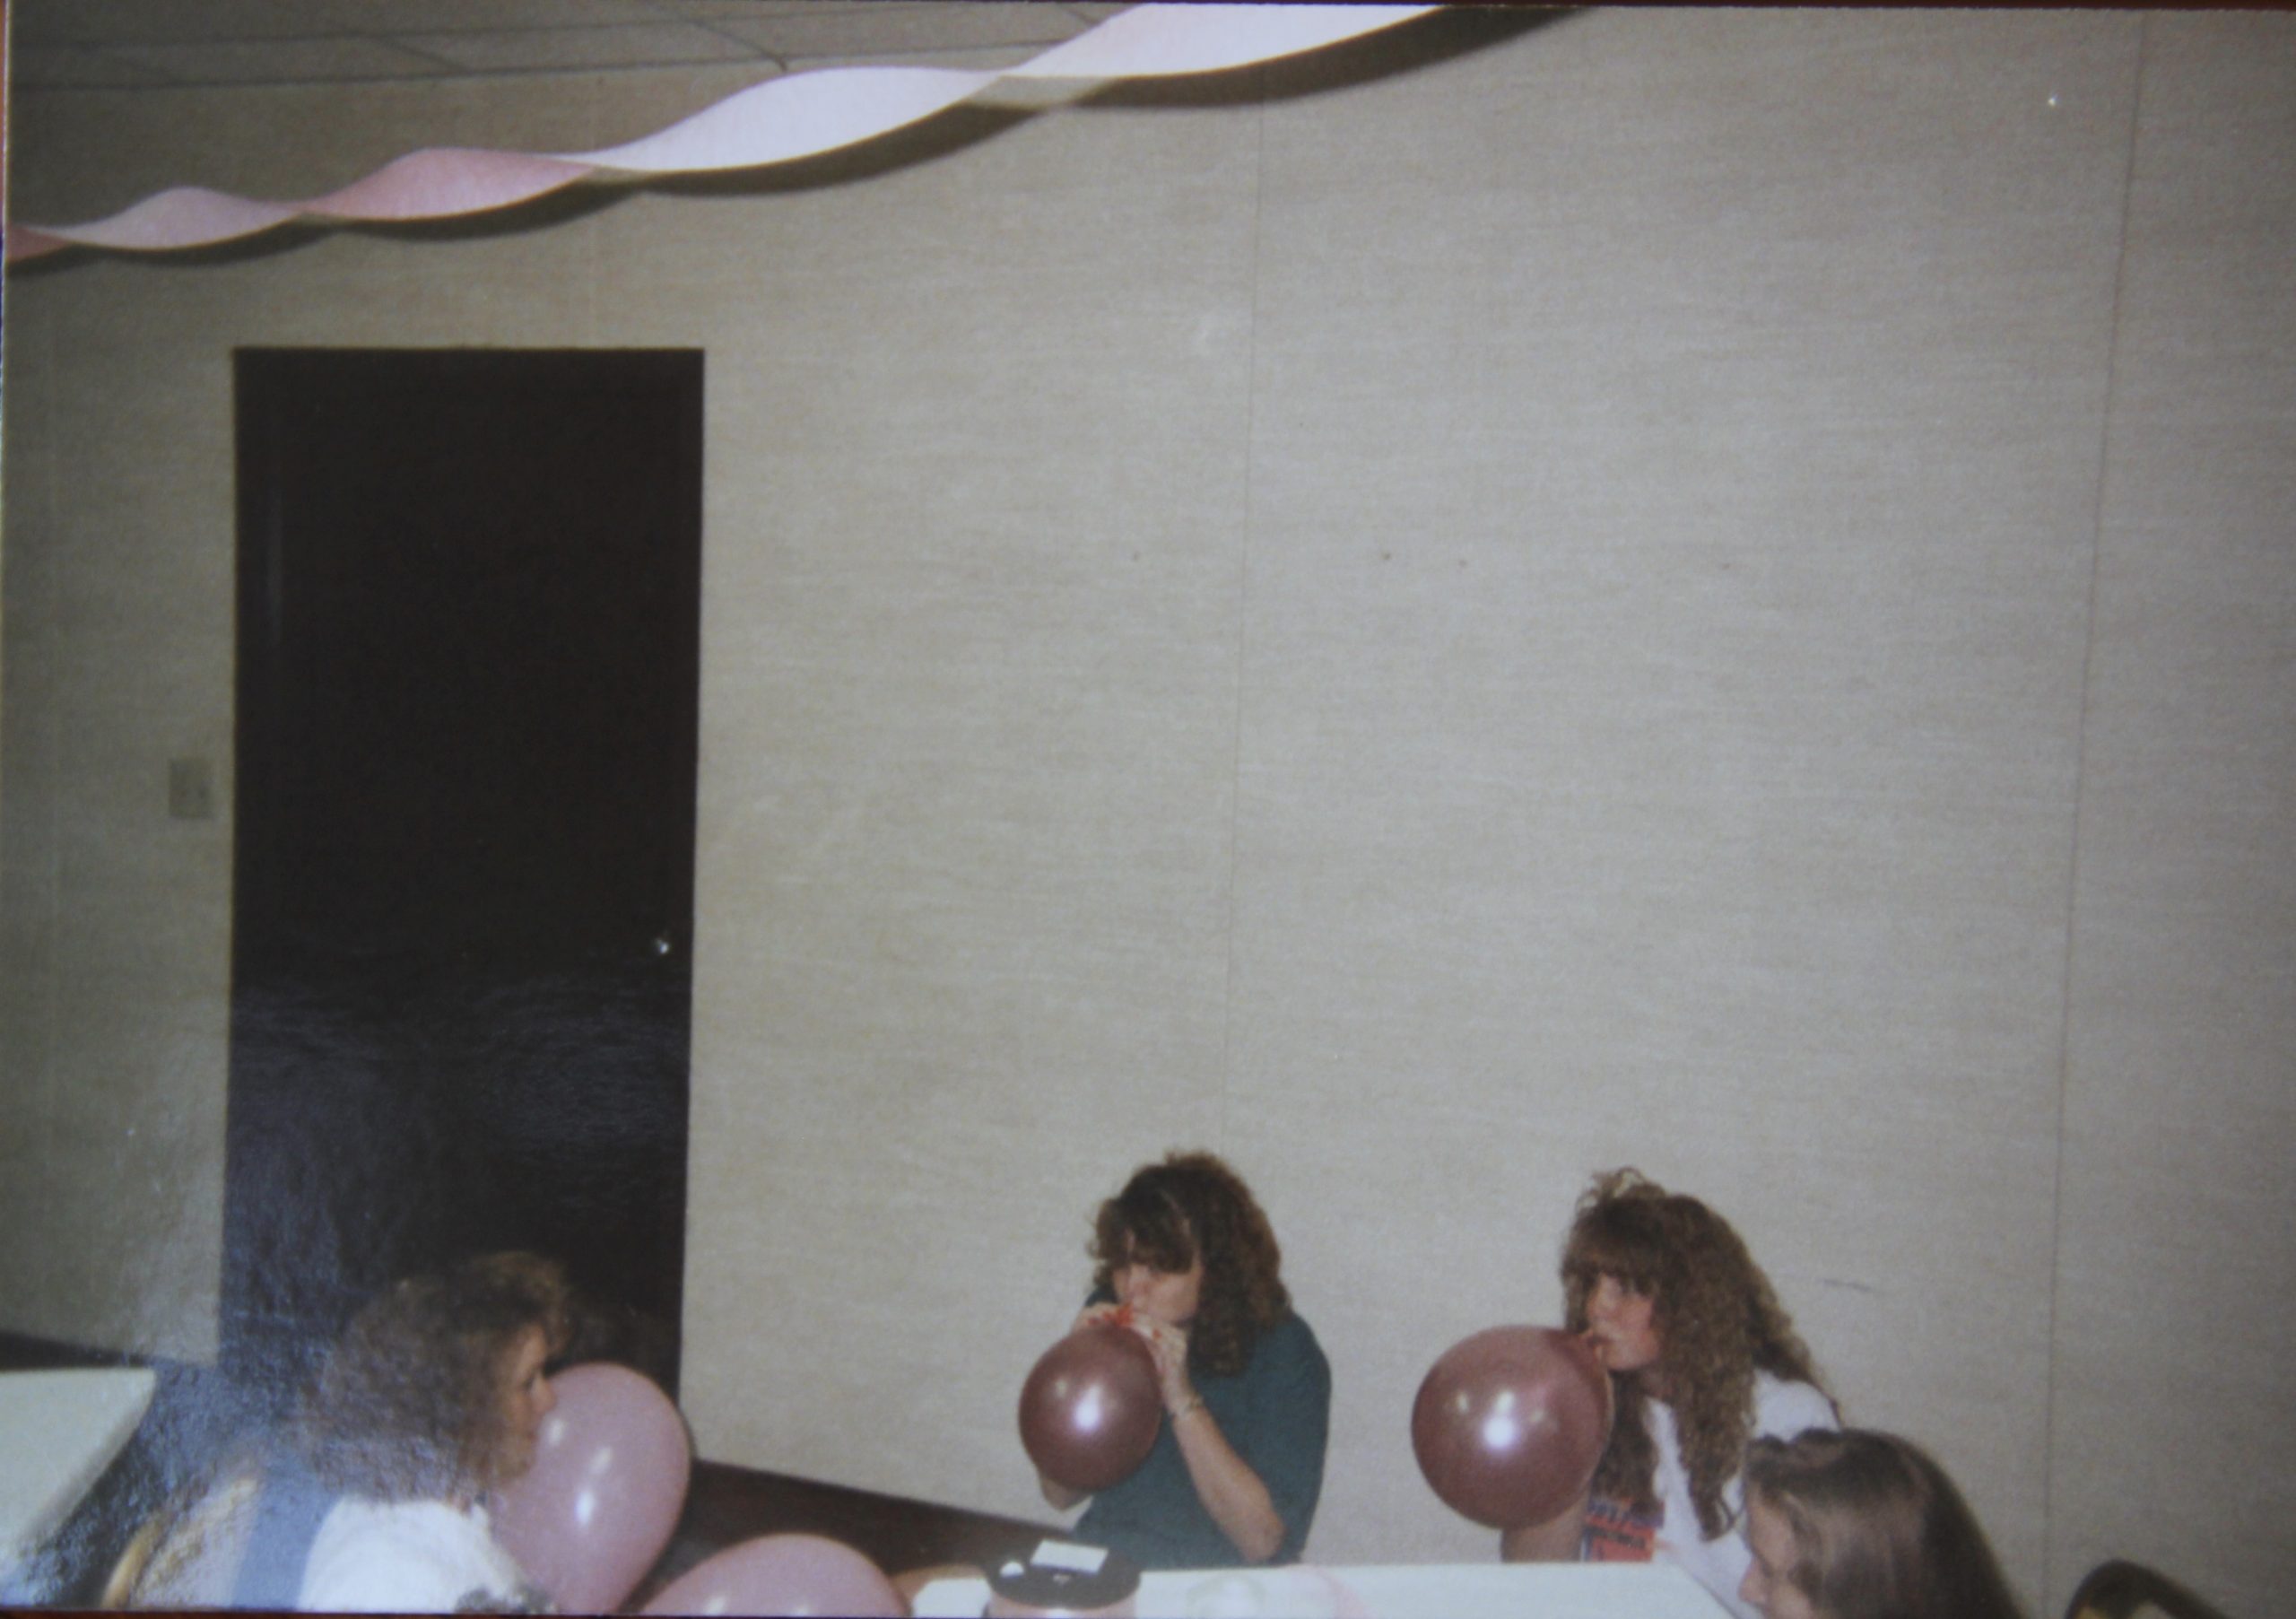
1090	1410
801	1574
1510	1424
592	1514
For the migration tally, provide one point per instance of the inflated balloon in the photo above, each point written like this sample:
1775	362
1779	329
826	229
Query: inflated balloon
802	1574
1090	1409
608	1482
1510	1424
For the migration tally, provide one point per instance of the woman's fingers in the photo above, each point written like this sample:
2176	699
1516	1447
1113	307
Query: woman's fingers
1168	1345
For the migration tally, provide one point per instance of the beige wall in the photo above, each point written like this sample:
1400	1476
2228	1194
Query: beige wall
1702	589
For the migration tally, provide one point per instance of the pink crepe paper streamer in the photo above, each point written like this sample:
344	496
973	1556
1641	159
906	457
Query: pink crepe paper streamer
778	121
439	182
185	217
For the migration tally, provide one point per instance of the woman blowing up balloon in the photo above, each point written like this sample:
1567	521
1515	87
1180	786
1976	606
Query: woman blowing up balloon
1701	1359
1185	1260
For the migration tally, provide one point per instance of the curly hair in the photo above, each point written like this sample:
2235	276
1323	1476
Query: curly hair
1193	1206
408	1406
1717	1323
1879	1530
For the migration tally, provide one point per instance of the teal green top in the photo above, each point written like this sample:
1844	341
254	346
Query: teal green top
1275	1413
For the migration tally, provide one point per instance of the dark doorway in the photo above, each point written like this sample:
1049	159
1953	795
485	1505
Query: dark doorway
469	596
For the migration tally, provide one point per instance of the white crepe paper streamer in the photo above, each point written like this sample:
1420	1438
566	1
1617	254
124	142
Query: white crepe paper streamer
802	116
1156	41
799	115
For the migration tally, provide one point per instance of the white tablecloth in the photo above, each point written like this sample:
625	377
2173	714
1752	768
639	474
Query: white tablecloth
1488	1591
58	1430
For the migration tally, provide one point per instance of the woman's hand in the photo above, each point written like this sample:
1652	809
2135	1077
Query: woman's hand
1093	1315
1554	1541
1169	1346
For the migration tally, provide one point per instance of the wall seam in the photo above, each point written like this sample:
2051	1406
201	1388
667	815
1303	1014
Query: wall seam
35	1310
52	495
1243	604
2098	506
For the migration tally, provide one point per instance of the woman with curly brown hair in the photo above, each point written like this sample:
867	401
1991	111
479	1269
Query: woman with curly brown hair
433	1396
1701	1359
1185	1255
1860	1525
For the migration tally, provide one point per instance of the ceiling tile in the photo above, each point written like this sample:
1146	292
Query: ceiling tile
986	59
836	31
258	41
667	44
144	21
751	10
395	17
185	21
74	68
282	61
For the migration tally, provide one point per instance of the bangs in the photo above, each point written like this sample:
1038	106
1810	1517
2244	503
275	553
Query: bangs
1146	1229
1600	1247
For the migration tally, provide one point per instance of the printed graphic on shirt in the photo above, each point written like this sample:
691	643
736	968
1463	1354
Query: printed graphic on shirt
1615	1532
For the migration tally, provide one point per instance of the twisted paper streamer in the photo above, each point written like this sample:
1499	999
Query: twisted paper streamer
799	115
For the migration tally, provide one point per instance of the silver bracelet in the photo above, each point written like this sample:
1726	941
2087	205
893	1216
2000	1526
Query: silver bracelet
1194	1403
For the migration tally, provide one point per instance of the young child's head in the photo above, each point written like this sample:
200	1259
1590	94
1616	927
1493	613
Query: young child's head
435	1390
1860	1525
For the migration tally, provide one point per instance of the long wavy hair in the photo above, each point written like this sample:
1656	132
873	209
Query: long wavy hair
1190	1206
1717	1323
409	1404
1879	1530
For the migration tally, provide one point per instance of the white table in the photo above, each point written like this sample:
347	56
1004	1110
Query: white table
58	1430
1467	1590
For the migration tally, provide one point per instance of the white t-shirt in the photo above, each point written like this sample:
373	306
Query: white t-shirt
414	1557
1782	1410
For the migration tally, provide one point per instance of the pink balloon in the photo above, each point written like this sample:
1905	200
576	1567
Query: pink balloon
800	1574
1510	1423
592	1514
1090	1410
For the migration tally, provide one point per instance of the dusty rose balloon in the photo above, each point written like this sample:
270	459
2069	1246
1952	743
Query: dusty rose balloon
609	1479
801	1574
1090	1410
1510	1424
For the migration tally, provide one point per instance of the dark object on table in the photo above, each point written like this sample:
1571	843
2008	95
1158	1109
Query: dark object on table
1062	1579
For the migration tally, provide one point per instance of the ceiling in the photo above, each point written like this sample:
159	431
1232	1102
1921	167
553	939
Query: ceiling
157	44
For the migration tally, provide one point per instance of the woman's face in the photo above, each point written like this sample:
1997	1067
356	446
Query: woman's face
527	1397
1619	1324
1170	1296
1769	1586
